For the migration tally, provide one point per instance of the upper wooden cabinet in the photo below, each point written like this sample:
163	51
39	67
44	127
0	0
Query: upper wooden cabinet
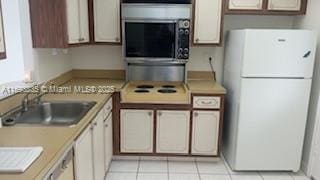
207	22
2	42
284	5
266	7
59	23
107	28
246	4
77	21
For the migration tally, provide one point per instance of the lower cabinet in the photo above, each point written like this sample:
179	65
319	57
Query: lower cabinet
205	133
108	142
136	127
98	147
93	149
176	131
173	132
83	156
68	172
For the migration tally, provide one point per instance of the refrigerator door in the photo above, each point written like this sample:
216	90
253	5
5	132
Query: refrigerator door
271	124
279	53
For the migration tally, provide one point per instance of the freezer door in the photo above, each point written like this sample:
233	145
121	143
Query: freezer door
271	124
279	53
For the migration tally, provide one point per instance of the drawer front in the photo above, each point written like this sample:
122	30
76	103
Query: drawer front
206	102
107	108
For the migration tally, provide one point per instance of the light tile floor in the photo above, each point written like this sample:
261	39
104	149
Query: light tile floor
148	168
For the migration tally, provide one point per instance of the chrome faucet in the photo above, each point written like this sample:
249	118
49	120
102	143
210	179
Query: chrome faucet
25	102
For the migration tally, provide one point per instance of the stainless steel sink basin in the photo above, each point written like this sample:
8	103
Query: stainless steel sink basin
51	113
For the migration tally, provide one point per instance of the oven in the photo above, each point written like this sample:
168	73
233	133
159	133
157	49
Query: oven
156	33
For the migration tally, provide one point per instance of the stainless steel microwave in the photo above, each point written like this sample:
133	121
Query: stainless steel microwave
156	34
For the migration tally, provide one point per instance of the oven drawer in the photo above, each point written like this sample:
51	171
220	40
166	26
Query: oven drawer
206	102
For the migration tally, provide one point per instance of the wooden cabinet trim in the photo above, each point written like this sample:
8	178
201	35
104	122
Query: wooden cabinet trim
3	55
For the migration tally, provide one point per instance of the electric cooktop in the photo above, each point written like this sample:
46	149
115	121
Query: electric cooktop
155	92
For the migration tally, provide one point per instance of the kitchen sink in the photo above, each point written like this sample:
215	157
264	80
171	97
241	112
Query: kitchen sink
51	114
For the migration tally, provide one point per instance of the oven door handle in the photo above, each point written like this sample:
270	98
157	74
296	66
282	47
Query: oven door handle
158	62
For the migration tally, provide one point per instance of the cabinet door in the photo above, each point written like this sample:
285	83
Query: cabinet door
84	156
284	5
67	173
84	21
205	132
107	21
73	21
98	147
245	4
108	142
136	128
173	132
208	21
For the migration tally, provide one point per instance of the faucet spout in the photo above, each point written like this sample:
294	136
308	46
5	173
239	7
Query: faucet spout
25	102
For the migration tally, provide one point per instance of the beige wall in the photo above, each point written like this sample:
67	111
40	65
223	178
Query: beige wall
110	57
50	64
97	57
311	21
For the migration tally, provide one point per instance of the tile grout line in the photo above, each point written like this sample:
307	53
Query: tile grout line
292	177
226	166
168	168
198	170
260	175
139	159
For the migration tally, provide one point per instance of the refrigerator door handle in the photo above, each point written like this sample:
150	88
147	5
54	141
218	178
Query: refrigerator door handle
307	54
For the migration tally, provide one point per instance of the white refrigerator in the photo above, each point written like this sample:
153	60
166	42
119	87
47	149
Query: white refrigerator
268	76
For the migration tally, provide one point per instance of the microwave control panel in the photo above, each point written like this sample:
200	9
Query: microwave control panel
183	39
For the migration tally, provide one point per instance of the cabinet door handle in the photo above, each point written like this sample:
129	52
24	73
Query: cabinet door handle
51	177
81	39
64	164
160	113
196	114
117	39
93	125
197	40
206	103
107	125
150	113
